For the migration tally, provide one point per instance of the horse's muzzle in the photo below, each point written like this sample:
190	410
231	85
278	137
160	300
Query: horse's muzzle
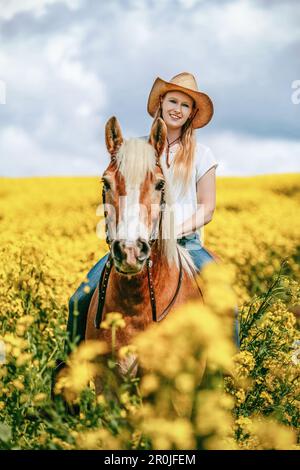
130	256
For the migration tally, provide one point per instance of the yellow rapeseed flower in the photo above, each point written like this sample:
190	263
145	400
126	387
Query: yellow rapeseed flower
113	319
97	439
18	384
149	384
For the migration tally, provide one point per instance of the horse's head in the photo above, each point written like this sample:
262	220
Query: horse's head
133	192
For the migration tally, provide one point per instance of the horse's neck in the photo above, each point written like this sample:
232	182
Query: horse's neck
134	290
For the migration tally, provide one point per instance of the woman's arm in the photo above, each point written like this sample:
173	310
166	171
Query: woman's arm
206	199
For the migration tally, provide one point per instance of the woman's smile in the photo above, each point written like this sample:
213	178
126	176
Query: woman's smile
173	116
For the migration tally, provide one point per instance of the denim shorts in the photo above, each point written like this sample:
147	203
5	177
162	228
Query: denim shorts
198	253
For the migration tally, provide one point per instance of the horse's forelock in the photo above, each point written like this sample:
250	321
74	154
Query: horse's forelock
135	159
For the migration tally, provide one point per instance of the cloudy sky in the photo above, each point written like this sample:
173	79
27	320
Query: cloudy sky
66	66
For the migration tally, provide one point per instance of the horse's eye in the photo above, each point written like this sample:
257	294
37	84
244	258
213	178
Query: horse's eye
106	184
159	185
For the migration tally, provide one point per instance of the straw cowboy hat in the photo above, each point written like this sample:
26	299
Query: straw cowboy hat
186	83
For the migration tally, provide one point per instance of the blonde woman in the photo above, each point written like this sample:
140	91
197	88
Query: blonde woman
191	169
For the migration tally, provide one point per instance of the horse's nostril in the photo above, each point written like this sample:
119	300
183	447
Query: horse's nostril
144	249
116	250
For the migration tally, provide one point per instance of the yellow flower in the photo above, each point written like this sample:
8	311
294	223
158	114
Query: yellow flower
272	435
16	351
126	351
75	378
267	397
244	363
240	396
20	330
149	384
244	422
113	319
18	384
97	439
89	350
23	358
185	382
26	320
214	413
40	397
24	398
166	435
101	400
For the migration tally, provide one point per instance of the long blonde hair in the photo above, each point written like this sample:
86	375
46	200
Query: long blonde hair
185	156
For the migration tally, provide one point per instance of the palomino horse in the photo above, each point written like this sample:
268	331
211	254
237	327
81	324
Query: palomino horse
148	274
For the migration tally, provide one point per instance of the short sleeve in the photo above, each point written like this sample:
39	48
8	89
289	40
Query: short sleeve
205	160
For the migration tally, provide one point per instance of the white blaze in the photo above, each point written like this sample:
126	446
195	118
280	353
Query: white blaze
130	226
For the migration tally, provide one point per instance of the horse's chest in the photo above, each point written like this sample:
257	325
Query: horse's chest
136	312
134	324
135	307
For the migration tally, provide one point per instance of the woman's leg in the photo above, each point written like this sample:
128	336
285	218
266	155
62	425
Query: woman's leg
78	309
198	253
79	304
201	257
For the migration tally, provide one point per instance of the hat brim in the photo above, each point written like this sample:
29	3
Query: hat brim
202	101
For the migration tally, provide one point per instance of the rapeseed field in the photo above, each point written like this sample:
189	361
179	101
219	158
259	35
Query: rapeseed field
248	398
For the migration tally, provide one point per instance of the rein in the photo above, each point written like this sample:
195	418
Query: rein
103	281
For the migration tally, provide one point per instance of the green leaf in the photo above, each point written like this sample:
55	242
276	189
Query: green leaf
5	432
111	363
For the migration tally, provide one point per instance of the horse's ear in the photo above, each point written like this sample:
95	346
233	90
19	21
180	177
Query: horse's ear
158	136
113	135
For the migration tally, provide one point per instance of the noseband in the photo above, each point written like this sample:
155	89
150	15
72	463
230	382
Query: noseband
102	285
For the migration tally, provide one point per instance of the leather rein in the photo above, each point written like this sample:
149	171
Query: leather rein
104	278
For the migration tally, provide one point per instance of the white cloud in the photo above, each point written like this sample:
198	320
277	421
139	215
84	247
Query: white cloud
53	97
240	154
23	156
10	8
62	53
2	92
190	3
248	23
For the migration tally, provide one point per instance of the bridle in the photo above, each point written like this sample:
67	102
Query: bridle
103	282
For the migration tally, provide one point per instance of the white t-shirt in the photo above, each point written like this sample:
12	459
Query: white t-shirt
185	205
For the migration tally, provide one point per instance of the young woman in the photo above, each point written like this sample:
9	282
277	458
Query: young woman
190	167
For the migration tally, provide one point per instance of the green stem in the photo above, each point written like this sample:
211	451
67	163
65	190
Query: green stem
113	341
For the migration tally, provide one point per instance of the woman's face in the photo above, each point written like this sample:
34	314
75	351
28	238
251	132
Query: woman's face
176	108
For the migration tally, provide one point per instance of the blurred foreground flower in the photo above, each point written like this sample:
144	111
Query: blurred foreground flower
81	368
